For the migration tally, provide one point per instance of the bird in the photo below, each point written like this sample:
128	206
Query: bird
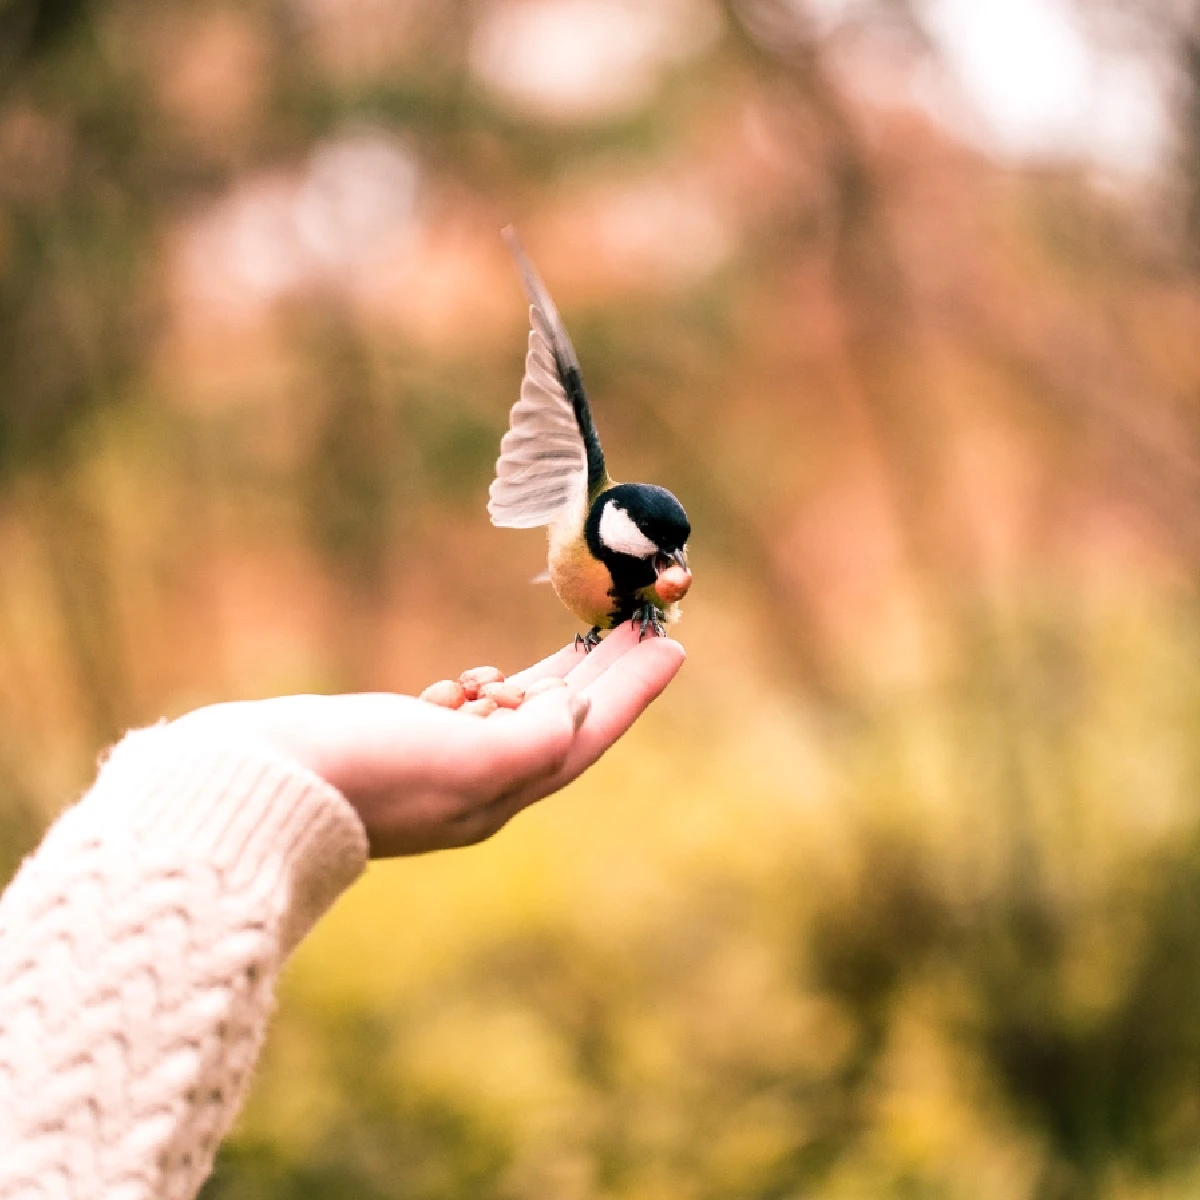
617	551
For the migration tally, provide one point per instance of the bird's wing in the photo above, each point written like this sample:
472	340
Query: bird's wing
550	453
543	463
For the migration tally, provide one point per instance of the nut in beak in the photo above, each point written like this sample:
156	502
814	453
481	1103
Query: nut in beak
674	577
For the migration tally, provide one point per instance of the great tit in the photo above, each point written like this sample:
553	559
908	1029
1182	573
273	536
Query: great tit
618	551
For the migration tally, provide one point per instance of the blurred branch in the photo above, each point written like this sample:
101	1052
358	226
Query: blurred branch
30	27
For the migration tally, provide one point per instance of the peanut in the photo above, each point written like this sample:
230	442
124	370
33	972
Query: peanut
474	679
446	693
673	584
506	695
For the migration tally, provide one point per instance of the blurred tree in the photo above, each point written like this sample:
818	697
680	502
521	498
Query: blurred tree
76	221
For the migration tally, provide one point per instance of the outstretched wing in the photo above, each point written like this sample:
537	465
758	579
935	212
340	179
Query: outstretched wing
550	454
543	463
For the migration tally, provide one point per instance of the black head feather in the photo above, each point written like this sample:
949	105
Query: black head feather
657	515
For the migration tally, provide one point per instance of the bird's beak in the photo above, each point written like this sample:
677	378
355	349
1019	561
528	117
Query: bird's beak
674	576
667	560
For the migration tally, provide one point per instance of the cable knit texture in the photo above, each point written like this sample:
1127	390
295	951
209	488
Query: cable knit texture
139	948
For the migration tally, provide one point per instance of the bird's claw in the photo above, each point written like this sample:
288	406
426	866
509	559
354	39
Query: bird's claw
648	617
589	641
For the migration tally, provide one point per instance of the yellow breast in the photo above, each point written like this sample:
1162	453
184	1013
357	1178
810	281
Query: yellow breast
581	580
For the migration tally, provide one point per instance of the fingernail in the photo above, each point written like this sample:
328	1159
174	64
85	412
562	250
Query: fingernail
579	709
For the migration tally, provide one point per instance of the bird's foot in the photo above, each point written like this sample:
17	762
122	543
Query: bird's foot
589	641
647	617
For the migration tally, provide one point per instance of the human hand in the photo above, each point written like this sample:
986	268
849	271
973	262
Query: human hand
427	778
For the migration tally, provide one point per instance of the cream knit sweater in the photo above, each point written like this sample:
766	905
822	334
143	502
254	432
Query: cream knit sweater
139	948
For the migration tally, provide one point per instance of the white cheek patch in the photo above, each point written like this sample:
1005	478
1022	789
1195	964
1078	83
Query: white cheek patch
620	534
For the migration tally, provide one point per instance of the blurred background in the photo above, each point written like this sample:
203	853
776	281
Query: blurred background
897	891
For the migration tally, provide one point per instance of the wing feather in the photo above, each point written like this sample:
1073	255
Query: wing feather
543	461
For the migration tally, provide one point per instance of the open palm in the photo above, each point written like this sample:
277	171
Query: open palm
428	778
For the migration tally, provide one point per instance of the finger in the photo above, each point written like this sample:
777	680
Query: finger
619	642
530	744
618	697
558	663
621	695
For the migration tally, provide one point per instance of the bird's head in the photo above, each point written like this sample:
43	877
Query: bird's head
639	531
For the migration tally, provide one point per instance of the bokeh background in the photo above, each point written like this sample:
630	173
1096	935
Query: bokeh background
897	891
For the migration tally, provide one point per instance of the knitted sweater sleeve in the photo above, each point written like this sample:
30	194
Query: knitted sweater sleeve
139	948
